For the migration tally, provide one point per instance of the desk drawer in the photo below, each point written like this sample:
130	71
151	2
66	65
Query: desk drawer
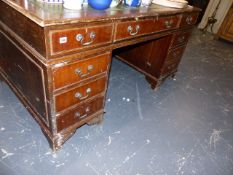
175	55
166	23
81	113
80	38
169	68
80	70
180	38
172	61
188	19
130	29
78	94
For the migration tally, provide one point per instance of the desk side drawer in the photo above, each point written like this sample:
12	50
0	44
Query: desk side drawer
80	38
79	94
169	68
180	38
80	70
79	114
175	55
172	61
131	29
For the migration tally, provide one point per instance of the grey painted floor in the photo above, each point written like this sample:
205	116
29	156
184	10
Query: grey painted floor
186	127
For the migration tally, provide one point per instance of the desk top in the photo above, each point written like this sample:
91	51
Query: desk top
54	14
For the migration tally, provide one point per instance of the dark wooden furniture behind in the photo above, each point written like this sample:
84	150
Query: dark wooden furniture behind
226	29
57	61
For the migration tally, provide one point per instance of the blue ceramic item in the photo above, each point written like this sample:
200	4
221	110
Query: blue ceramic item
132	3
99	4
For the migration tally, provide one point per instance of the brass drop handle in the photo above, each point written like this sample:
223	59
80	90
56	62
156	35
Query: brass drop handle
169	23
181	39
80	38
171	66
80	96
81	74
148	63
78	115
189	19
130	30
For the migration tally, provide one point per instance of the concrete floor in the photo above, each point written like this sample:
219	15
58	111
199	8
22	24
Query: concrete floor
186	127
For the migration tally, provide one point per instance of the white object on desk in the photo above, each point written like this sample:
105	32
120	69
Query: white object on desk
146	2
172	3
73	4
49	1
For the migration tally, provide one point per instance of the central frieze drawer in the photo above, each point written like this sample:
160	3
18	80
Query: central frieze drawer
130	29
79	38
78	94
79	114
80	70
165	23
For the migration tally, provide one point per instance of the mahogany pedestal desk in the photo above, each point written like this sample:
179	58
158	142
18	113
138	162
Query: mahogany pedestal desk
57	60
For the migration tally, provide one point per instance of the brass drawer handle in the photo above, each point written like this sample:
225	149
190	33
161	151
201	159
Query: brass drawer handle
181	39
79	95
148	63
80	38
130	30
81	74
169	23
171	66
189	20
78	115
